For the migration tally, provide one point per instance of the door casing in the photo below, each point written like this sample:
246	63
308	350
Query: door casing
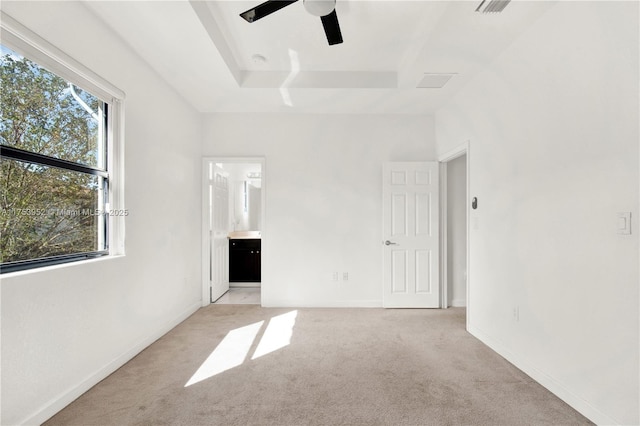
205	237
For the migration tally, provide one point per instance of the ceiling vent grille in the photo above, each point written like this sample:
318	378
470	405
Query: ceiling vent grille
492	6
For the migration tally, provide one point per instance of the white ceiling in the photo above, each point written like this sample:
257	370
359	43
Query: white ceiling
205	51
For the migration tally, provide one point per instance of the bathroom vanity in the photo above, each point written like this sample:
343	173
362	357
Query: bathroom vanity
244	256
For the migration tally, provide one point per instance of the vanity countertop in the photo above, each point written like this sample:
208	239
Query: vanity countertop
244	235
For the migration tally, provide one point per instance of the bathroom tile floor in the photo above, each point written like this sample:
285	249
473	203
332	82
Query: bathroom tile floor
240	296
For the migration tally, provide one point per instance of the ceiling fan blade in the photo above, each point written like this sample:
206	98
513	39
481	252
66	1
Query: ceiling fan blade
332	28
264	9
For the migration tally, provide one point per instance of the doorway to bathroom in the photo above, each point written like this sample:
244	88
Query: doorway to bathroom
232	230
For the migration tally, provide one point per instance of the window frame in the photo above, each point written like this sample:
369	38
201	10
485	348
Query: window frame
22	40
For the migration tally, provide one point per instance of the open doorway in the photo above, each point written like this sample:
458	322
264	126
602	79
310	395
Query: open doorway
455	229
233	221
457	232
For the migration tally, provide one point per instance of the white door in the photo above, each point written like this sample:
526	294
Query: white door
219	225
411	235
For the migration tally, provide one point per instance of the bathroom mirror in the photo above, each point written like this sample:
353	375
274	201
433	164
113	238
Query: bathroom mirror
245	197
246	205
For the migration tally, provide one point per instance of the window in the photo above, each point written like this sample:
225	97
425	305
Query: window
56	177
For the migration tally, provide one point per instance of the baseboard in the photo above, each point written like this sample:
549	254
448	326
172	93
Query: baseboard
459	303
322	304
55	405
581	405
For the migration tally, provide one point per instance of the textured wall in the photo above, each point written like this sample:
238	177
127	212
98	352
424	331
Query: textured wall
323	208
66	327
553	130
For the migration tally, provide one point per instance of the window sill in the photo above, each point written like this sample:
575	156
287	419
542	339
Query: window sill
44	269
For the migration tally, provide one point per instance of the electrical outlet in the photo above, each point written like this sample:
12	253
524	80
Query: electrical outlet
334	276
345	276
516	314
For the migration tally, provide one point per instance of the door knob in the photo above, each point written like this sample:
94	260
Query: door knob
388	243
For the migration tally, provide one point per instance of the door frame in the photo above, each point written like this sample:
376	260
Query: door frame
444	159
204	232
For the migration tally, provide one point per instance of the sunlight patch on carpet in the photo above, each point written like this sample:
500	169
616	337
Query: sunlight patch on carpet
277	335
234	348
231	352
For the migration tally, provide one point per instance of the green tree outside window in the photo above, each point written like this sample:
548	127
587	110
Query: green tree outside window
49	211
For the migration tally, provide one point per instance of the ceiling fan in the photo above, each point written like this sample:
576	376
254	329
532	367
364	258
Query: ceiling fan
325	9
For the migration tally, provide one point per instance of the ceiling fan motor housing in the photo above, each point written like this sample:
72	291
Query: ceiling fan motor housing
319	7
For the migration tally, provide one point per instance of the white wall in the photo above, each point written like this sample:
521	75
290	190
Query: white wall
323	211
65	328
553	129
457	231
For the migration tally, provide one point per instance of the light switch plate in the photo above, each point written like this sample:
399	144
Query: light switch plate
624	223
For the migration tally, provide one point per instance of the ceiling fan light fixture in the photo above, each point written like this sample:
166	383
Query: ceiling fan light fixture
319	7
325	9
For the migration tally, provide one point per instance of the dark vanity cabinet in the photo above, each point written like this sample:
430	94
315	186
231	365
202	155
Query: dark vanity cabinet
244	260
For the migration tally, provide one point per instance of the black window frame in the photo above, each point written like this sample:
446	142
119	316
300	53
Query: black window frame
17	154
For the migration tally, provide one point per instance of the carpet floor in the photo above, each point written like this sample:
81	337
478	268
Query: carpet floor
247	365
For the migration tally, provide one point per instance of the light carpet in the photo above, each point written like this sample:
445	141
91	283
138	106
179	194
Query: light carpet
333	367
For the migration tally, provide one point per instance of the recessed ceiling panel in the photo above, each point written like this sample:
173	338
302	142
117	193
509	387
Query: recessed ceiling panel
376	35
207	52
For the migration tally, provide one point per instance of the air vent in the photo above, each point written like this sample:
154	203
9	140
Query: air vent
434	81
492	6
